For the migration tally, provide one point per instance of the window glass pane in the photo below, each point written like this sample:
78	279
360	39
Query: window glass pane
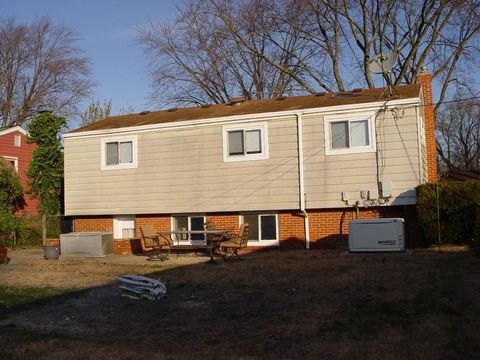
269	227
359	133
253	141
252	221
18	140
235	142
339	134
112	153
181	223
126	153
196	223
124	227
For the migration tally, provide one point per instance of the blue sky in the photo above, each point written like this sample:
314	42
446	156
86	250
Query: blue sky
106	30
106	33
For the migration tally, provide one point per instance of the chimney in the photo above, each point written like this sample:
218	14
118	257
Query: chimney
425	79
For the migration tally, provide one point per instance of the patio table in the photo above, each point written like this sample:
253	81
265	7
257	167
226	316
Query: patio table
213	238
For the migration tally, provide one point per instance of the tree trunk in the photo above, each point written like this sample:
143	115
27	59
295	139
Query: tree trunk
44	229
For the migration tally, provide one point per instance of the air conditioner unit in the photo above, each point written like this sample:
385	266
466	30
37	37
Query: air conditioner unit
86	244
376	235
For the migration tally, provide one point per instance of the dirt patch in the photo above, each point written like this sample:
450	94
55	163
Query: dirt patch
314	304
28	268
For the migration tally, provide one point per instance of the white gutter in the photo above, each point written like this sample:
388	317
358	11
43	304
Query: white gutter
337	109
301	180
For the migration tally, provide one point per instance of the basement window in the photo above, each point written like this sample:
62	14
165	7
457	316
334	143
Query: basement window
262	228
124	227
189	223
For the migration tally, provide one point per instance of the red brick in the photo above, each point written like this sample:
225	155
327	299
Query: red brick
327	226
425	79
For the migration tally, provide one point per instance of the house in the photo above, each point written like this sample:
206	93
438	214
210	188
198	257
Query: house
14	149
297	169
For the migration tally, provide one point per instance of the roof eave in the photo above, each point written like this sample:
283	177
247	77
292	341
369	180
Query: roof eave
247	118
13	129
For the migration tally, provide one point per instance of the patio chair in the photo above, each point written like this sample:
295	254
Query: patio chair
236	242
151	241
208	225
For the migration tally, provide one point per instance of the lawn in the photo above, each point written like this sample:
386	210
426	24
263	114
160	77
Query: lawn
17	297
301	304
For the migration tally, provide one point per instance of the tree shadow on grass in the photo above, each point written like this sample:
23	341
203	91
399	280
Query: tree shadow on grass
271	304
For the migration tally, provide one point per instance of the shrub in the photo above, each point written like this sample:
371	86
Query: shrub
11	192
11	198
457	203
29	230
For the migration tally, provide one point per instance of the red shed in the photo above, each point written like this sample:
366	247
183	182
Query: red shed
14	148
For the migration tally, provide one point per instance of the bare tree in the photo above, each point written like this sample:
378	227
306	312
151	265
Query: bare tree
40	69
438	34
96	111
126	110
458	127
203	57
263	48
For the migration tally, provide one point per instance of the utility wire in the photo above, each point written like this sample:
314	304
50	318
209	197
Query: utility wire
456	100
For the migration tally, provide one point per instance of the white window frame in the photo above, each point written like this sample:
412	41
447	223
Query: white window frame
17	140
132	165
329	119
189	216
14	159
263	155
261	242
121	222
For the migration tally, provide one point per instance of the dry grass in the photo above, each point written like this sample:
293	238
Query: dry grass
304	304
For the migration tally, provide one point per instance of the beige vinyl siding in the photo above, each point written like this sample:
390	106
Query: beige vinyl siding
182	171
327	176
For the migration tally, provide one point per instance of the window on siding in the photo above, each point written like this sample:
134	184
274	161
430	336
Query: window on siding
12	161
263	228
118	153
17	140
245	143
349	135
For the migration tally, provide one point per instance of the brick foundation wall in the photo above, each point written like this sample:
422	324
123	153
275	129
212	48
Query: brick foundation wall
54	242
330	226
224	220
126	246
160	222
327	227
291	227
96	223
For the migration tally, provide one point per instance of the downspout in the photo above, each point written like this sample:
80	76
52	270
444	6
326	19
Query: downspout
419	146
301	180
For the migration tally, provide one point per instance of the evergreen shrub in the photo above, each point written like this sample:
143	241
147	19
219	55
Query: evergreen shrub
457	206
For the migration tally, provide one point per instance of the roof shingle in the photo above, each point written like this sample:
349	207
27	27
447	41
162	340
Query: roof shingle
252	107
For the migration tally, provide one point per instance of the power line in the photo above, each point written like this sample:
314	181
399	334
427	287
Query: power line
457	100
